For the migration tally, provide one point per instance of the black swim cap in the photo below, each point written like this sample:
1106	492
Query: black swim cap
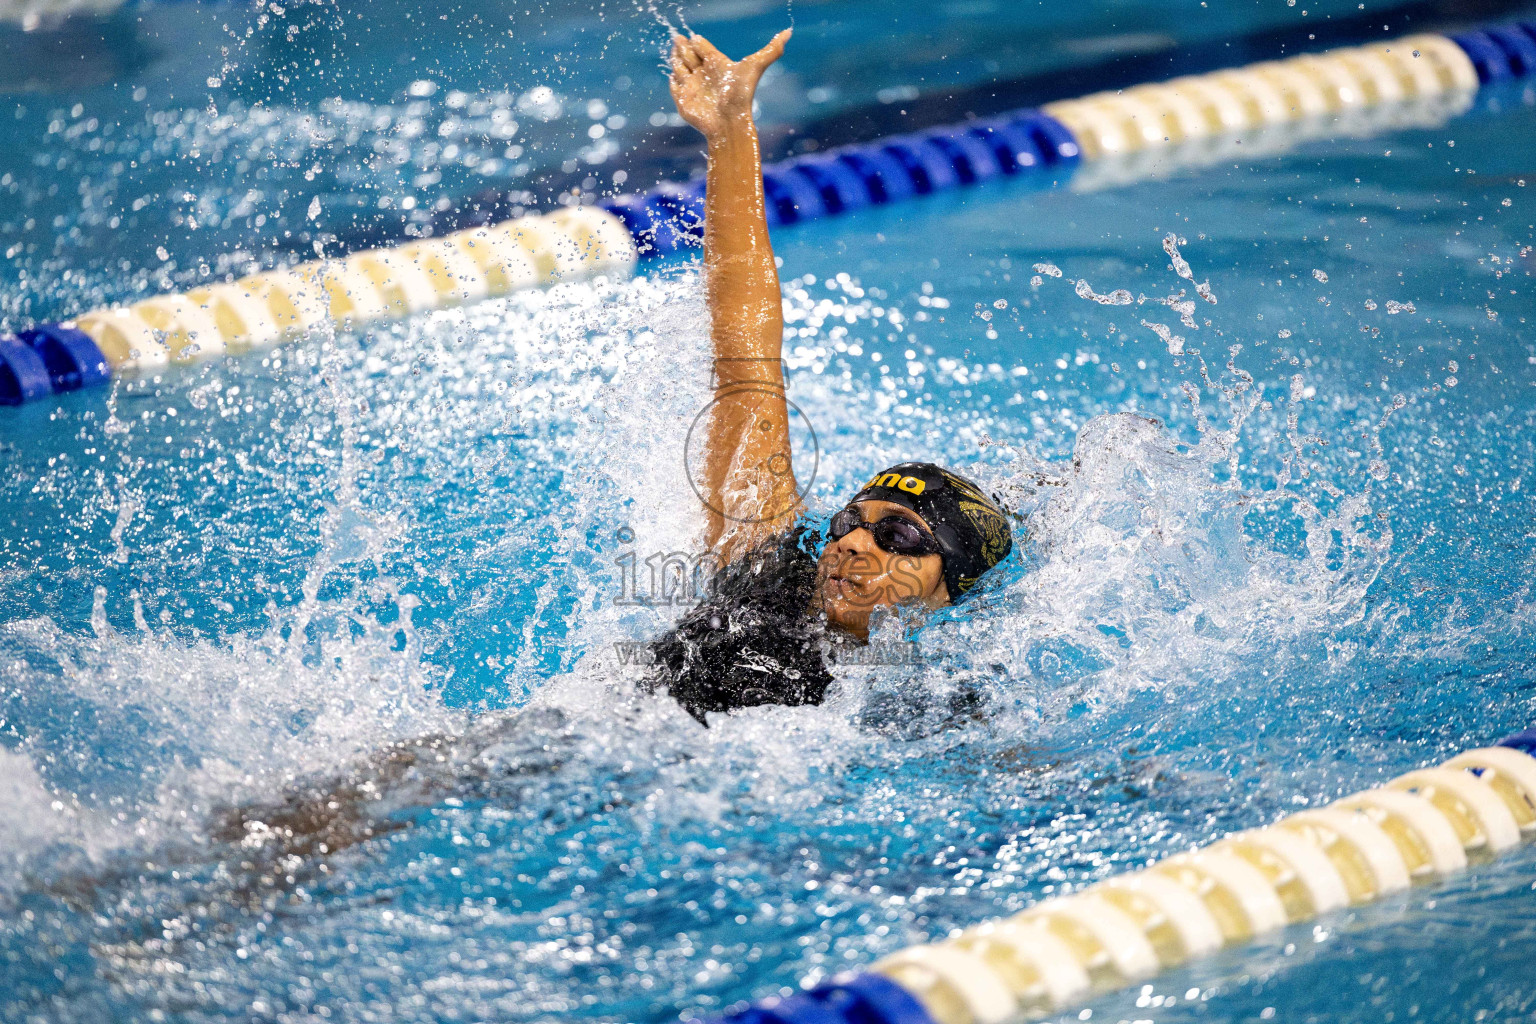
971	528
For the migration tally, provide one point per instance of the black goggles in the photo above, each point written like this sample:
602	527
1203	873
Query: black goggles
894	534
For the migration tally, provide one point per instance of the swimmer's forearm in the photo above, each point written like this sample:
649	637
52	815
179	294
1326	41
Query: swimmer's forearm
750	454
747	321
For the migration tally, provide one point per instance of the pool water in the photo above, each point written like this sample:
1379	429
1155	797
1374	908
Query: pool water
316	667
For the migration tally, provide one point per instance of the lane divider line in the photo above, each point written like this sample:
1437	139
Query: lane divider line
1090	142
1415	828
283	305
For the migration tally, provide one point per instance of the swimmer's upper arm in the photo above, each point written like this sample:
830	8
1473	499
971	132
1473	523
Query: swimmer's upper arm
752	492
748	482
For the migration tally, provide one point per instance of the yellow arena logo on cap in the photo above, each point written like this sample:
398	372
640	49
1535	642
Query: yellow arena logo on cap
910	484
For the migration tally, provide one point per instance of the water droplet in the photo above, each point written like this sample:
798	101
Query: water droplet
99	624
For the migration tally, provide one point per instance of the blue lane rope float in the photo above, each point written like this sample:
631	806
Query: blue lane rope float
667	219
23	375
1502	51
1097	140
1416	828
847	999
1522	741
71	357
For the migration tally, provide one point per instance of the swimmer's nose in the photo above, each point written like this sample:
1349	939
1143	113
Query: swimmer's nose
856	556
859	542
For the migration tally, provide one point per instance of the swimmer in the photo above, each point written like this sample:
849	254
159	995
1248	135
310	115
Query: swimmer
915	535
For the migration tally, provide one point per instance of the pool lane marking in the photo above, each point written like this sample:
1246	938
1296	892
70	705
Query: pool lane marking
274	306
1096	140
1416	828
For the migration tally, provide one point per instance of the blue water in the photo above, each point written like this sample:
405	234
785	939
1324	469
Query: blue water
384	572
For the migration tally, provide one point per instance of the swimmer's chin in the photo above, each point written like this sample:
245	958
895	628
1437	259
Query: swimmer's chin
842	607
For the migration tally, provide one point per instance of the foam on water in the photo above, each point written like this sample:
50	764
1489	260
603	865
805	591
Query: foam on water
438	528
155	728
1140	569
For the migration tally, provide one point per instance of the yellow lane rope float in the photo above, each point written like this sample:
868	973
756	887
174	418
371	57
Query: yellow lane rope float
1418	827
352	291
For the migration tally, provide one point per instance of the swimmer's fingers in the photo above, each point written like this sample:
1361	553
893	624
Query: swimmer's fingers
691	87
684	48
685	63
679	66
707	50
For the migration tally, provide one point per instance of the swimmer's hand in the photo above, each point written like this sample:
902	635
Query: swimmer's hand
713	92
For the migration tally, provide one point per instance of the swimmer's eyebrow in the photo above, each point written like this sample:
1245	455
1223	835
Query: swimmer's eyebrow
900	511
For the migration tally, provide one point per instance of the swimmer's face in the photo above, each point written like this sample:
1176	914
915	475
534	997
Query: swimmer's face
854	576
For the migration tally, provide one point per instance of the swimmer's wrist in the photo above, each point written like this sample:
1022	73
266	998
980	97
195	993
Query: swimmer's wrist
735	130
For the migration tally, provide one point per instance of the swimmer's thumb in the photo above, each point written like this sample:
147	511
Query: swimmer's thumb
770	53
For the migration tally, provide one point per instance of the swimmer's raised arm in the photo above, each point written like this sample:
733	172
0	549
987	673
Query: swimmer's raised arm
749	484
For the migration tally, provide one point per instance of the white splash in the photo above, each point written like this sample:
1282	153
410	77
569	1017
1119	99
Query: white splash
1118	297
1175	342
1181	267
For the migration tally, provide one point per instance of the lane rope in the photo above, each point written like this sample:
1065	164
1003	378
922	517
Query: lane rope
1095	141
281	305
1414	829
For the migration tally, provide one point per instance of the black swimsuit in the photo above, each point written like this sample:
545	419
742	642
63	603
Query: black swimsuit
754	640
